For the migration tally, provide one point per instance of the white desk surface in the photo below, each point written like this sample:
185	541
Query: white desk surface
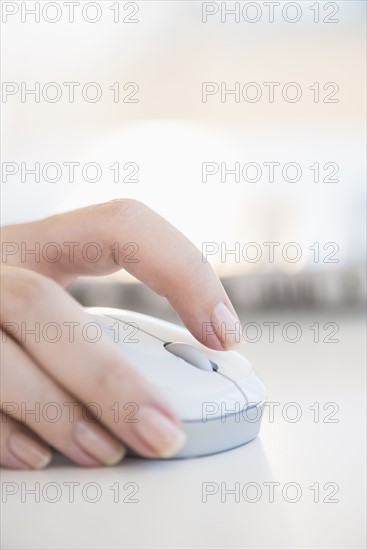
170	512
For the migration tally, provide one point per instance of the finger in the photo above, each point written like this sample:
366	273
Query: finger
158	255
20	448
91	371
32	397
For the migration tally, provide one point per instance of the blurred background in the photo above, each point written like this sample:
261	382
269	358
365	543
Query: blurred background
176	147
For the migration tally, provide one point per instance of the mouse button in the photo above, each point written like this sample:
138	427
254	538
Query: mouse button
231	363
122	332
145	352
253	387
190	354
158	328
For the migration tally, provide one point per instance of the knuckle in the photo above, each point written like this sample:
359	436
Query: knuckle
116	375
105	379
124	207
25	290
117	214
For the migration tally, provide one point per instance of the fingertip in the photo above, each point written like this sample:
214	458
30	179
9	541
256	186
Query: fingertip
29	451
227	326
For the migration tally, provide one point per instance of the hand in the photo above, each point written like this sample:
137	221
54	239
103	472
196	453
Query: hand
49	383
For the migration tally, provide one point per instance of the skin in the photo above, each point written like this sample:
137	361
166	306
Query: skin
75	373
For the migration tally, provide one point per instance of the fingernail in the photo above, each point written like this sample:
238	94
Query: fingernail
159	432
226	326
98	443
29	451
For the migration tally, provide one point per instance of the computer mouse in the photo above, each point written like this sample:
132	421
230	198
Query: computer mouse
217	395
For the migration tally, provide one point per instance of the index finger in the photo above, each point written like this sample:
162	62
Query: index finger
164	259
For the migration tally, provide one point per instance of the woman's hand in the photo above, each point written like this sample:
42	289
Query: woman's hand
42	378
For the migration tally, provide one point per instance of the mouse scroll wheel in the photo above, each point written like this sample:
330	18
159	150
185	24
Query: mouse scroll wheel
192	355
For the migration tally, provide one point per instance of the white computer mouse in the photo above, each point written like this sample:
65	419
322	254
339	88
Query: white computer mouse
217	395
